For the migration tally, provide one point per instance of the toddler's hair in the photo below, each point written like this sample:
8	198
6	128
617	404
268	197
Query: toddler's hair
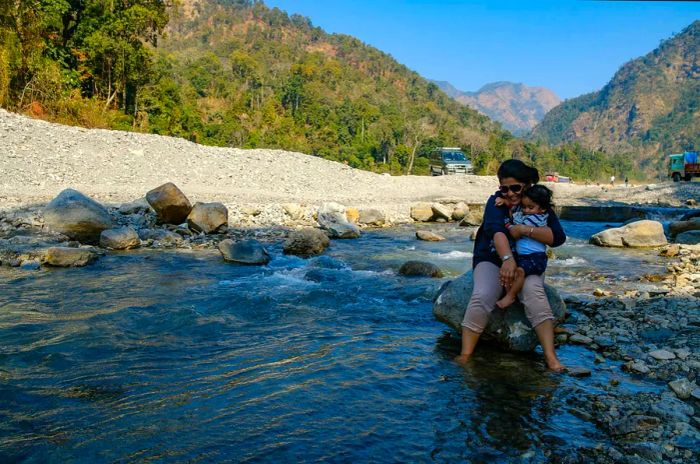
540	195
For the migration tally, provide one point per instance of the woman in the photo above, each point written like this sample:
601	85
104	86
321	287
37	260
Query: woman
494	270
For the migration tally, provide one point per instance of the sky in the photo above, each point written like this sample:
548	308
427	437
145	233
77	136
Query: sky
569	46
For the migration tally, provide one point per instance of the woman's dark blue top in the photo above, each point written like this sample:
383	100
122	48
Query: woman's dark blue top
495	219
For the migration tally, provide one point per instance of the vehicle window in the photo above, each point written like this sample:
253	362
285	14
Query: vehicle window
453	156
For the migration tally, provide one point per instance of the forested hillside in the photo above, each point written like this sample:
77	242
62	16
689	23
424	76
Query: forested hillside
650	108
237	73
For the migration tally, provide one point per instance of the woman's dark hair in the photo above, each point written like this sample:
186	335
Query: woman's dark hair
540	195
519	171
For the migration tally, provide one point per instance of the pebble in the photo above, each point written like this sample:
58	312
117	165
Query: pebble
683	388
662	355
578	372
580	339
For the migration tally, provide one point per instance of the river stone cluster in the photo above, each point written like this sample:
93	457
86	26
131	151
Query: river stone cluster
507	328
466	215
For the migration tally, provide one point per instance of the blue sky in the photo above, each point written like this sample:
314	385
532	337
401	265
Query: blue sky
571	47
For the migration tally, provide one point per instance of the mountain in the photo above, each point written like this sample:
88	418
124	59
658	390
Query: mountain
649	108
518	107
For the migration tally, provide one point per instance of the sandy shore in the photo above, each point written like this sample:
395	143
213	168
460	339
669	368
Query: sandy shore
39	159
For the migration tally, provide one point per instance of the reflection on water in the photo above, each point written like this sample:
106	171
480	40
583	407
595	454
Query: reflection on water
177	356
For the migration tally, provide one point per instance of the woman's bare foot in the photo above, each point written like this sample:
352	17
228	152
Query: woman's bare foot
506	301
554	365
462	358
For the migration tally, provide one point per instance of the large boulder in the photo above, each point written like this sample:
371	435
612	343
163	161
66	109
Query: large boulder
639	234
691	237
679	227
372	217
78	217
169	203
68	257
420	269
244	252
472	218
460	210
124	238
508	328
441	211
306	242
331	217
422	212
207	217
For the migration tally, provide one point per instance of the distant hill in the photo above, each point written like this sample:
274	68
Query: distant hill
649	108
518	107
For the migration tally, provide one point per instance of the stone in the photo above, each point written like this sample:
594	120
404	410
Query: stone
306	242
207	217
372	217
166	238
633	424
352	215
124	238
30	265
441	211
691	237
662	355
678	227
472	236
603	341
169	203
578	371
683	388
68	257
460	210
471	219
600	292
294	211
421	212
637	366
139	206
638	234
244	252
580	339
508	328
670	251
420	269
429	236
331	217
76	216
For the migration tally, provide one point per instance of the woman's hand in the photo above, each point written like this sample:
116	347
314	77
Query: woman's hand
507	273
518	230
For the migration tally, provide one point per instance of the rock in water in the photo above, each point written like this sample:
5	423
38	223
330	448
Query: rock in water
306	242
420	269
81	218
68	257
637	234
244	252
372	217
207	217
429	236
124	238
509	328
171	205
332	217
421	212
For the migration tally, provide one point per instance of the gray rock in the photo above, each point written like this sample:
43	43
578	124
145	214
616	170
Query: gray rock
429	236
509	328
306	242
580	339
633	424
603	341
139	206
372	217
207	217
124	238
169	203
692	237
332	217
682	388
638	367
441	211
420	269
578	371
460	211
68	257
30	265
638	234
421	212
472	218
244	252
678	227
76	216
662	355
166	238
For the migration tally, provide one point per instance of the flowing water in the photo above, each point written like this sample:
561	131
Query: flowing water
180	357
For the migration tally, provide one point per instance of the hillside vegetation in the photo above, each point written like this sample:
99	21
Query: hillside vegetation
650	108
237	73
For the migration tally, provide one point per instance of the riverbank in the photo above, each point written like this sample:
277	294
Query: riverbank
40	159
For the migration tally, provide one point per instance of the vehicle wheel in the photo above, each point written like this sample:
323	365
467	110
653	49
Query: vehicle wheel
688	177
676	177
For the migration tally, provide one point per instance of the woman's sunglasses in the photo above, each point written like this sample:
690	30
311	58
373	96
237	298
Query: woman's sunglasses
515	188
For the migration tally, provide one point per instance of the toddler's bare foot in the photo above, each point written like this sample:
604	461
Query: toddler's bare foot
462	358
506	301
553	364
